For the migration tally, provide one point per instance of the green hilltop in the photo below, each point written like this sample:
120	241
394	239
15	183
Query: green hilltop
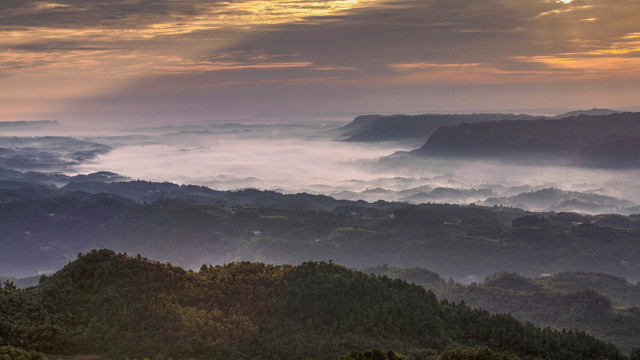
108	303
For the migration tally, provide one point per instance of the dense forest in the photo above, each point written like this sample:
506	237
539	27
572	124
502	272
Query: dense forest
43	232
603	305
108	303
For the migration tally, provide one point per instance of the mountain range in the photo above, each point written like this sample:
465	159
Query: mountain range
373	128
610	141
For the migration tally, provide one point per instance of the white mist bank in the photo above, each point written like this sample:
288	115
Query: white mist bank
309	159
232	164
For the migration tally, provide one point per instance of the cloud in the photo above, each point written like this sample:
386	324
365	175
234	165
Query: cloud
278	156
302	159
274	50
564	10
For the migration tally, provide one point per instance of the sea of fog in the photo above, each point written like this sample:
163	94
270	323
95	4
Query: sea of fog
315	159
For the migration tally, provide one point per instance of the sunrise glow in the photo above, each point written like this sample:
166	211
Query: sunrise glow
74	50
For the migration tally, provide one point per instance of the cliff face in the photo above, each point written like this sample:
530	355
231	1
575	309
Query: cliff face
360	123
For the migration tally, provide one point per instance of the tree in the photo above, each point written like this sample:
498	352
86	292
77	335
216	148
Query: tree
9	286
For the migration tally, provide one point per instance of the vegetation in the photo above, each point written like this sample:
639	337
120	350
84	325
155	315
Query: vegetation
42	234
12	353
372	354
105	302
476	353
371	128
601	304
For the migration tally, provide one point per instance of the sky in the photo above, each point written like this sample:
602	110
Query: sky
142	62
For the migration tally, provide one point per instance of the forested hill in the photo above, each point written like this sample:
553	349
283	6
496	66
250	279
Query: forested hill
599	141
542	303
29	125
105	302
604	305
152	191
42	234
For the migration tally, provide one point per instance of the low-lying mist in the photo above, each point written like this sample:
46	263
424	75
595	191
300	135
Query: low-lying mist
310	158
277	158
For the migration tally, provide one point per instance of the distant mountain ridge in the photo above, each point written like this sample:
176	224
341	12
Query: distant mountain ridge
372	128
553	199
593	111
29	125
598	141
360	123
48	153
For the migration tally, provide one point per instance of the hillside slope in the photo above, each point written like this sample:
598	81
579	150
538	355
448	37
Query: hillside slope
456	241
108	302
601	304
599	141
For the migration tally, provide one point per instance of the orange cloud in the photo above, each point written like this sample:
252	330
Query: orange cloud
187	65
590	67
565	10
616	60
50	60
432	74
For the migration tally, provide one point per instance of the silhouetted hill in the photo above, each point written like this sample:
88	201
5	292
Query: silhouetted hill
451	195
371	128
105	302
605	141
46	153
553	199
611	151
593	111
148	191
398	127
359	124
53	180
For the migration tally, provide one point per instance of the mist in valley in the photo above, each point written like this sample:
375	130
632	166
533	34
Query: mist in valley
313	158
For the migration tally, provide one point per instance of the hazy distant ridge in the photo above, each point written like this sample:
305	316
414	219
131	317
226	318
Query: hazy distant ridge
23	125
603	141
593	111
372	128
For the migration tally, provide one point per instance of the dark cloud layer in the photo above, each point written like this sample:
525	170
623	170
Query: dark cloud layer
114	14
